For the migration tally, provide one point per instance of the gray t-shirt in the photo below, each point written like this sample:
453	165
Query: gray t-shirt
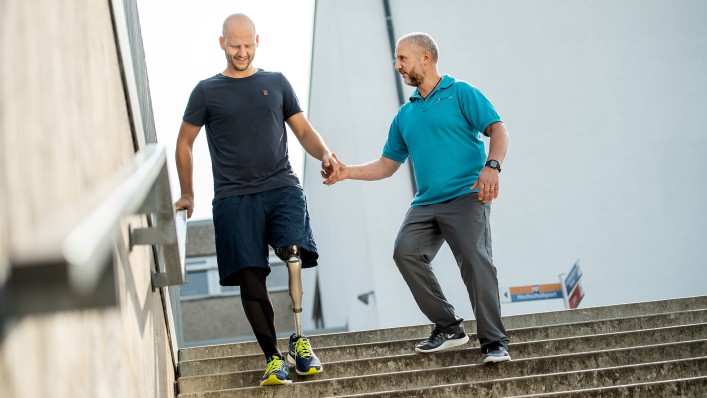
245	130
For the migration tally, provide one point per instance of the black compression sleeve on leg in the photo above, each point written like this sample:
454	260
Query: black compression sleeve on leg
258	308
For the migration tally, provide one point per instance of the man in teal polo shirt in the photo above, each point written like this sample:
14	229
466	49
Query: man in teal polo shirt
440	130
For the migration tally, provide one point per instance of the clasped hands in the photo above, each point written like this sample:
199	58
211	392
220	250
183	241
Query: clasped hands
333	170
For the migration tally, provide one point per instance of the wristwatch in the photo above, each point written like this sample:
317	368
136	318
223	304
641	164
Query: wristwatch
494	165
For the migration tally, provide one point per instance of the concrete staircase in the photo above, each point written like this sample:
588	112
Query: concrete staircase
648	349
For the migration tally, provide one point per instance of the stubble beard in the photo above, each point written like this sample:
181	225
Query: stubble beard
234	63
414	78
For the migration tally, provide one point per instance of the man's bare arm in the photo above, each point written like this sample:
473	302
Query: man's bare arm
313	143
185	166
374	170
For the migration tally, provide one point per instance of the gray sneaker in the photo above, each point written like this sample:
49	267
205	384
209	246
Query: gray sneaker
440	340
497	354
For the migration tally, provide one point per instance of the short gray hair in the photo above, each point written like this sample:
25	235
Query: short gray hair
423	41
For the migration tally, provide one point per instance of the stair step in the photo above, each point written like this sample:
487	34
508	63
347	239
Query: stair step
445	359
607	312
518	349
415	383
639	349
684	387
573	326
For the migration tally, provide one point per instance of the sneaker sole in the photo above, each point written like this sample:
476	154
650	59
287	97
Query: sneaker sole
272	380
505	358
446	345
311	371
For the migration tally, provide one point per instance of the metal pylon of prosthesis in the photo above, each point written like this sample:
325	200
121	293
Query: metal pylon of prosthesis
294	270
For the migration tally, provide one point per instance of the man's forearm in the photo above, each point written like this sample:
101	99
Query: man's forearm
498	142
374	170
314	144
185	169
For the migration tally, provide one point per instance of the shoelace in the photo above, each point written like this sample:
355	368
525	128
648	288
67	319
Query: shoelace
302	348
436	332
274	365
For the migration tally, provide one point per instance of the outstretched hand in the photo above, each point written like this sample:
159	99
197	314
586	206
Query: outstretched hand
341	173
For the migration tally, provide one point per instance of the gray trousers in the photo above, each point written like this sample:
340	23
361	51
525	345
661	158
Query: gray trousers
463	223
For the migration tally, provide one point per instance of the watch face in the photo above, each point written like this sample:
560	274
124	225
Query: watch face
494	165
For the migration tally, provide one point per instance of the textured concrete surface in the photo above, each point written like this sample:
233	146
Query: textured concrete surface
657	346
422	331
551	363
65	128
200	238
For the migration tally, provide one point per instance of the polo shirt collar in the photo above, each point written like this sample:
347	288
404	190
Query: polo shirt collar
446	82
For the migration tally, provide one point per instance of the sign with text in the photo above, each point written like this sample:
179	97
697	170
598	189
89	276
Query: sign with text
572	278
531	293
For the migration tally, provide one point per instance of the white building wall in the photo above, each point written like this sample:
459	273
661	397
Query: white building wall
606	163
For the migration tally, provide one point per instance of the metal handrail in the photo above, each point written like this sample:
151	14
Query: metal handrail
78	244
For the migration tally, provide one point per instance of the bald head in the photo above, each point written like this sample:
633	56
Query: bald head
422	42
239	43
237	21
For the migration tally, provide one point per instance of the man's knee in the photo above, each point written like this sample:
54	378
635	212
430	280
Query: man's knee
403	249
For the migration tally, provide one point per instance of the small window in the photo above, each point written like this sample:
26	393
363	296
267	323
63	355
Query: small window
203	278
197	284
200	276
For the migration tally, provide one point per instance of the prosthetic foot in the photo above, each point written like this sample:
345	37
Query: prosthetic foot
291	256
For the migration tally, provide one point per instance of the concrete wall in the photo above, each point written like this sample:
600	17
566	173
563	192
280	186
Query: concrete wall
604	102
65	127
223	319
201	240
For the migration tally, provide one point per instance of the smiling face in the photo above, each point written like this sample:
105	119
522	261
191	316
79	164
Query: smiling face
239	42
408	62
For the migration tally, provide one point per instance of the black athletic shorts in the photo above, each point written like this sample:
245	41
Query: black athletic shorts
246	224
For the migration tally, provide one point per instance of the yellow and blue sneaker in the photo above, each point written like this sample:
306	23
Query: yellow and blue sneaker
277	373
301	355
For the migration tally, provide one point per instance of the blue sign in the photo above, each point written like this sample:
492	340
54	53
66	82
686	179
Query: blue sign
572	278
536	296
530	292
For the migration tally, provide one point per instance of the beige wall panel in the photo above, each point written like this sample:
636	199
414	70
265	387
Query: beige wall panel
65	123
144	356
64	355
64	128
119	352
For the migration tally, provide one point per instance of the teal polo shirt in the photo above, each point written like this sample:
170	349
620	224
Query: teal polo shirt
442	136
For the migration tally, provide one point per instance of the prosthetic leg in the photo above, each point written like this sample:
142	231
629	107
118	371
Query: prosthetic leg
291	256
299	351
